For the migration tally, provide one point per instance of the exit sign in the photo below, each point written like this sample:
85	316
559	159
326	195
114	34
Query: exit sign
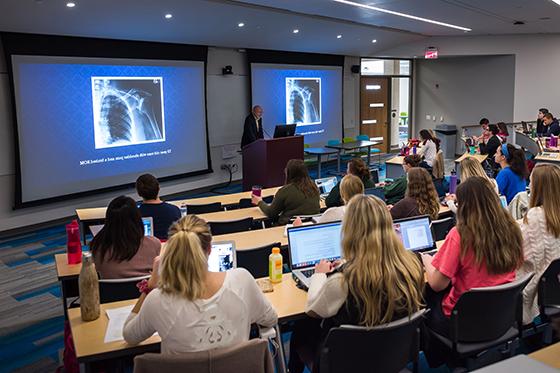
431	53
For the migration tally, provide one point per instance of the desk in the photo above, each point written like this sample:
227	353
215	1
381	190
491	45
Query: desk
352	146
394	167
319	152
549	355
548	157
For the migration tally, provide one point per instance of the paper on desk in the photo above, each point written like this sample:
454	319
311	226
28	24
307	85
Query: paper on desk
117	317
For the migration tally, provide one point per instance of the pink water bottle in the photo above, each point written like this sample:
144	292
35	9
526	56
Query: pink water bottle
73	243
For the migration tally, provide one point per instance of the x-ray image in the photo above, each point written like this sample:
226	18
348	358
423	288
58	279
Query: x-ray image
303	100
127	110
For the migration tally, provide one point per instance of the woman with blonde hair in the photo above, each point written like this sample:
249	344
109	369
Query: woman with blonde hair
541	232
349	187
484	249
380	281
421	197
191	308
438	175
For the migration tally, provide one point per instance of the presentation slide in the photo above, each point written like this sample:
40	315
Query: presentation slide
309	96
92	123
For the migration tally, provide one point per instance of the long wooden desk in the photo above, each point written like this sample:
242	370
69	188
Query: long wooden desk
479	157
548	157
549	355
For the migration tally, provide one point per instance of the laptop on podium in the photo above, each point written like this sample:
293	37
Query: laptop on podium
308	245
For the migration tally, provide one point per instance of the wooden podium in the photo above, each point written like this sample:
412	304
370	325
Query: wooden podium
264	161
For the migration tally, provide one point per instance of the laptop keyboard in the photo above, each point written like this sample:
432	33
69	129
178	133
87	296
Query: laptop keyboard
308	272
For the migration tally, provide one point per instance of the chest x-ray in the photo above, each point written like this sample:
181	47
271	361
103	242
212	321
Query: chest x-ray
303	101
127	111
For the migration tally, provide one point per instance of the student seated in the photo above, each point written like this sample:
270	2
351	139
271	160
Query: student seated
493	142
504	133
299	196
421	197
484	133
429	148
120	249
541	129
512	178
470	167
395	190
483	249
163	214
380	281
438	175
356	167
551	125
541	232
191	308
349	187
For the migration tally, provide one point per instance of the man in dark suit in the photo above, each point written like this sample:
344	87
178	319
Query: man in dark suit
252	130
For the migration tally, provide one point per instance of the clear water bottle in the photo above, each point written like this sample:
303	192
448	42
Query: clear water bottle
183	209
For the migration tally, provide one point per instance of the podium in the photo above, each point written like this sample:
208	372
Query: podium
264	160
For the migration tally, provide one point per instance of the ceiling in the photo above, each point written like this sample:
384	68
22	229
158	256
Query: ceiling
269	24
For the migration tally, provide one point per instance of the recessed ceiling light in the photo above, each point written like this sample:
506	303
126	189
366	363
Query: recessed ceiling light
70	4
338	36
168	16
295	31
370	7
240	24
374	41
556	1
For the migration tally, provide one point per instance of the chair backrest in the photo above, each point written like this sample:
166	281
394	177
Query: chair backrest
441	227
204	209
549	286
245	203
387	348
113	290
221	360
256	260
362	138
348	139
333	142
231	226
485	314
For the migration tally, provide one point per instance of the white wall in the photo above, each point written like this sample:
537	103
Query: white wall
461	90
228	102
537	58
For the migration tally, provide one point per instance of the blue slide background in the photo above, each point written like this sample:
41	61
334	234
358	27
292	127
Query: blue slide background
56	132
269	91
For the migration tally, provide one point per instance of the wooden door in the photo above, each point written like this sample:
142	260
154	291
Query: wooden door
374	106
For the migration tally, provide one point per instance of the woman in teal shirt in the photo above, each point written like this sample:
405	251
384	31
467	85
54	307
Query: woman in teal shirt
512	178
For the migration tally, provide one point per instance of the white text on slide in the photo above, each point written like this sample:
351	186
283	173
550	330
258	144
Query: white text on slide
119	158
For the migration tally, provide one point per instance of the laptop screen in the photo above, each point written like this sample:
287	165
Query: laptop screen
222	257
148	226
310	243
415	233
326	184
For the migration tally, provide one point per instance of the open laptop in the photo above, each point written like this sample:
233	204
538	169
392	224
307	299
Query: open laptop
284	130
415	233
147	223
222	257
308	245
378	192
326	184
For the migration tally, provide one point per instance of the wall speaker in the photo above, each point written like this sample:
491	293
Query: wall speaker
355	69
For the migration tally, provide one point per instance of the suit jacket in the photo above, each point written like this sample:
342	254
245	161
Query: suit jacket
250	132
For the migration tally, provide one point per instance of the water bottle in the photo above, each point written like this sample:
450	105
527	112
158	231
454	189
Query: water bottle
553	141
453	182
88	284
414	149
73	243
183	209
275	265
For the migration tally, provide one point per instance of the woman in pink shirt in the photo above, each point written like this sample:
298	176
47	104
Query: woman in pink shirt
484	249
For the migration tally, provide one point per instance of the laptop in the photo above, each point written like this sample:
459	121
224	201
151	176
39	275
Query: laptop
326	184
415	233
308	245
284	130
378	192
222	257
148	224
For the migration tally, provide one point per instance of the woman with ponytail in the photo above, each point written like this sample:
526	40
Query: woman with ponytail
191	308
512	178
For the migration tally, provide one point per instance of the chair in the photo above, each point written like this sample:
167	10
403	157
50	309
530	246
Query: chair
485	318
230	226
204	209
548	297
305	218
441	227
255	260
384	348
245	203
221	360
113	290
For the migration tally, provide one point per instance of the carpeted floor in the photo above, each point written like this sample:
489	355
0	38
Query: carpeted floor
31	317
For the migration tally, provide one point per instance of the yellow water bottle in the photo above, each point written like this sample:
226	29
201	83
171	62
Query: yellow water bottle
275	265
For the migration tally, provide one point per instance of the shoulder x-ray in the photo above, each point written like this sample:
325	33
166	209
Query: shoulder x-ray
127	110
303	100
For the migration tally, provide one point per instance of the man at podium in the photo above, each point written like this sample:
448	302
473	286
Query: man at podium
252	130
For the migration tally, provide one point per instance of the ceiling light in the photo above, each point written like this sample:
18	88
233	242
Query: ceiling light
168	16
70	4
240	24
374	41
338	36
295	31
370	7
556	1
